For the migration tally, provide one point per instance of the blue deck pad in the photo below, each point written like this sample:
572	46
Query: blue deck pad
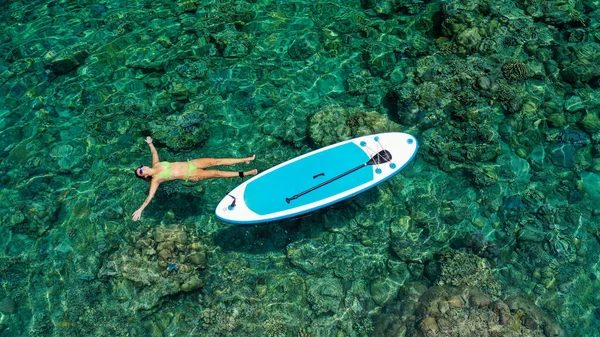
266	194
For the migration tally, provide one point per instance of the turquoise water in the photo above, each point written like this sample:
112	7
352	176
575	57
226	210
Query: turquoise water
492	231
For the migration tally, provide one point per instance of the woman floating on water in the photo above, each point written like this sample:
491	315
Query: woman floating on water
193	170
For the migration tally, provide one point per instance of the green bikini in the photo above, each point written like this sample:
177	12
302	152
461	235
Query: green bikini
166	173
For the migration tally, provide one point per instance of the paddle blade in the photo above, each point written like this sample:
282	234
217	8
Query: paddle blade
383	156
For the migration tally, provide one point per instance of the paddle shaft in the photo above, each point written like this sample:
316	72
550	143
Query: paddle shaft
325	183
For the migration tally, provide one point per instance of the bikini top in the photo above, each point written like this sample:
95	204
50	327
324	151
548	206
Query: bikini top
166	173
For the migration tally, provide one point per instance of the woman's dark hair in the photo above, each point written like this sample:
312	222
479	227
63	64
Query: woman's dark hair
147	179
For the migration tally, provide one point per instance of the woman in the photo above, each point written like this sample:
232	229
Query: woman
191	170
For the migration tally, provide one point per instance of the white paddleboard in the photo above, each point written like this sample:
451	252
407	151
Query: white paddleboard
318	179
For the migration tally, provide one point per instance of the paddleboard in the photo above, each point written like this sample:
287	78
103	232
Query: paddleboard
318	179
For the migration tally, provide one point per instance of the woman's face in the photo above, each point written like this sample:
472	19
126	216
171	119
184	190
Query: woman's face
142	171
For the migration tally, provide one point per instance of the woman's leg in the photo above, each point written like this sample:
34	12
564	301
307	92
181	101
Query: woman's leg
198	175
209	162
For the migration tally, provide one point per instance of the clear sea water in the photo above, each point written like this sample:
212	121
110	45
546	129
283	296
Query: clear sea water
493	230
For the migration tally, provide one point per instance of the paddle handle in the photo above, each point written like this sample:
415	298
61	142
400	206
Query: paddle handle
324	183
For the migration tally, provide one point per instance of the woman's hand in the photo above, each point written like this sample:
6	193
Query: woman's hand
149	140
137	215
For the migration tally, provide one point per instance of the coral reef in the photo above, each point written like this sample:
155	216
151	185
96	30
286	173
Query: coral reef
458	269
184	130
515	70
164	261
334	124
451	311
35	216
447	311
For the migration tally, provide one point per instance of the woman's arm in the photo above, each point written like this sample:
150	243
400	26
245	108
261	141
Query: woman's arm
153	187
153	150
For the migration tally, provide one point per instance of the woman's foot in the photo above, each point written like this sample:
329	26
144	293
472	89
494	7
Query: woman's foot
250	173
249	159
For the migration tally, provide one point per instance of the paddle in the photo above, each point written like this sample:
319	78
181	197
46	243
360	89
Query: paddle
382	157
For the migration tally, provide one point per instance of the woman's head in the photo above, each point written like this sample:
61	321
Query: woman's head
139	172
